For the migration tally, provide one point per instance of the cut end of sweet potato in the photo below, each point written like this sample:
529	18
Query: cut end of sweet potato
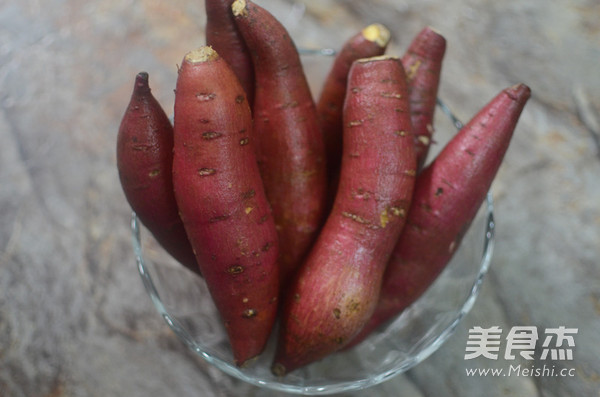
434	30
202	54
239	9
377	33
377	58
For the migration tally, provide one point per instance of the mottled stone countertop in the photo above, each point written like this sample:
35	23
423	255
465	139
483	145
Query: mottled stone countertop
75	319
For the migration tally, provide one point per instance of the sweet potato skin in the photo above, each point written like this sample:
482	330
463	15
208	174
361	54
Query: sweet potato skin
423	64
448	193
369	42
144	161
223	36
290	150
222	202
336	289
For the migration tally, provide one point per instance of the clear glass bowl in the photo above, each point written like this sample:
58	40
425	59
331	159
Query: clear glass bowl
183	300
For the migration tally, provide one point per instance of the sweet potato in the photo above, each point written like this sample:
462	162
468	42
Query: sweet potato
336	289
369	42
222	201
423	64
144	161
290	149
223	36
446	198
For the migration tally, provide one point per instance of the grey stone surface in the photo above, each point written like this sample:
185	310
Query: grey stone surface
74	317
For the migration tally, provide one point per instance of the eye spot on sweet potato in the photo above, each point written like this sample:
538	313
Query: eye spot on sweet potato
235	269
410	172
245	300
210	135
154	173
415	227
439	192
266	247
287	105
355	123
384	219
401	133
362	194
426	207
249	194
296	297
392	95
353	306
447	182
219	218
239	99
248	210
400	110
398	211
354	217
249	313
141	148
244	141
206	171
337	313
205	96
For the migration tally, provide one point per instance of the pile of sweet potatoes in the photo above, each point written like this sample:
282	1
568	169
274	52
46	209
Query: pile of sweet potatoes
318	213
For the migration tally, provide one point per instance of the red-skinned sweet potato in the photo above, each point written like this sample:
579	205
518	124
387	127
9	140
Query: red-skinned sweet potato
423	64
336	289
369	42
144	161
290	149
448	193
222	201
223	36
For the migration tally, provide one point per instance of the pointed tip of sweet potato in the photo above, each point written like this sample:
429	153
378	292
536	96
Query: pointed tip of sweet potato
428	44
519	92
141	83
279	370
